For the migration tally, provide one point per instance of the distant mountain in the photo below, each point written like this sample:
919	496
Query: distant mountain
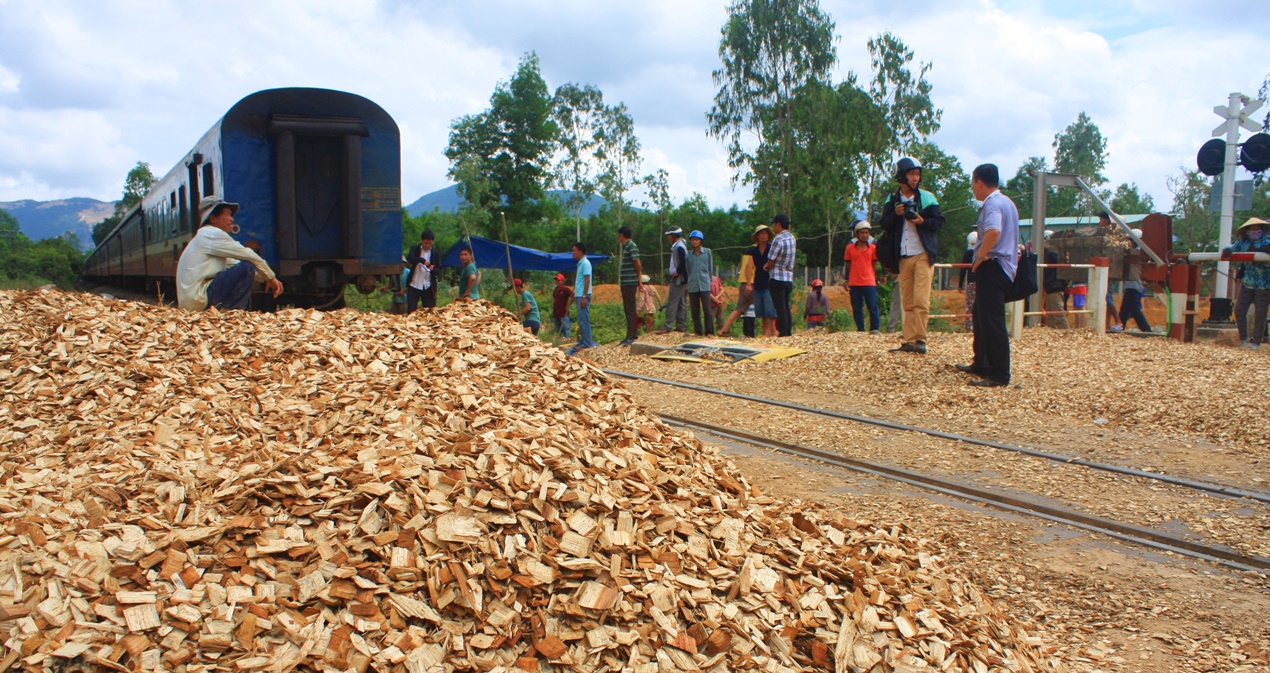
448	201
50	219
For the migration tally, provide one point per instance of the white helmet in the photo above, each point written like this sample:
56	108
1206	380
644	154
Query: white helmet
1137	232
1048	233
971	239
861	225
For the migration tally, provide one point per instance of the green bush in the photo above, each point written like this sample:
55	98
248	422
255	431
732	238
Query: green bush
840	320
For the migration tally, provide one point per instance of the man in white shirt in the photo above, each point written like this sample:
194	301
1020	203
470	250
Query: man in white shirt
210	273
420	286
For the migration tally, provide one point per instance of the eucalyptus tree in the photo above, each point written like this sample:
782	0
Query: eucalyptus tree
908	113
621	160
578	111
769	49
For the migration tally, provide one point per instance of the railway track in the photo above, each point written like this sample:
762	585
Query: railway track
1203	486
987	496
1124	532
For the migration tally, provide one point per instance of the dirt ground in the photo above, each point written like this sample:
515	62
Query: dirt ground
1114	399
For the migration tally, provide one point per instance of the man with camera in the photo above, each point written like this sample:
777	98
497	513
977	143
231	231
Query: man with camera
910	222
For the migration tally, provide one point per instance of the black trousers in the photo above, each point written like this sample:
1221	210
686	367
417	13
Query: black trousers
426	297
1131	309
700	302
992	339
628	305
781	291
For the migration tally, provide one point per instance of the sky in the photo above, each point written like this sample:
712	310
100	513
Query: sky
89	88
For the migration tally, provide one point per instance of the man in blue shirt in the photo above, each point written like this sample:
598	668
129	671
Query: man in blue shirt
582	295
996	261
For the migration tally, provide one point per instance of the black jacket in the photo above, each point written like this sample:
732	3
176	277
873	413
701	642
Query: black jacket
414	257
892	226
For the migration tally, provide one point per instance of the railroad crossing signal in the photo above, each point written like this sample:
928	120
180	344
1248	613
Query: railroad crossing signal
1231	113
1220	157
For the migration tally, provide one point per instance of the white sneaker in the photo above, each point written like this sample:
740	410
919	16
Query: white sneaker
1248	345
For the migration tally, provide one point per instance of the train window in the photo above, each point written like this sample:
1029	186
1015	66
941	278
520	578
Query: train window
172	216
185	210
209	180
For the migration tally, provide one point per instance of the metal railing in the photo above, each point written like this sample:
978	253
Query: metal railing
1095	299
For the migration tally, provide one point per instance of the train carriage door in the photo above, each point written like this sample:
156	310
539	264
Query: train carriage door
318	163
319	202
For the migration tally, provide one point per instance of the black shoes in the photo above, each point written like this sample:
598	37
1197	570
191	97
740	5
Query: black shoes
919	347
989	383
627	342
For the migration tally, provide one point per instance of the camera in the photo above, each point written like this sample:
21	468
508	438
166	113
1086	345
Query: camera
909	214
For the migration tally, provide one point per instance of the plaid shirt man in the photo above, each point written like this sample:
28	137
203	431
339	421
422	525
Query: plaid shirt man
782	254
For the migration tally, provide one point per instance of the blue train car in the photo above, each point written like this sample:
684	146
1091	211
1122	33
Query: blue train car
318	177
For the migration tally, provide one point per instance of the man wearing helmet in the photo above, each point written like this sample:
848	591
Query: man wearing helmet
862	284
910	224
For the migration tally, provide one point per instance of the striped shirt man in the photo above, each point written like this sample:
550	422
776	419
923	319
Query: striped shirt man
628	275
782	256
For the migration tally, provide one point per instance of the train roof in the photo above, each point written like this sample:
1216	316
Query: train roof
252	114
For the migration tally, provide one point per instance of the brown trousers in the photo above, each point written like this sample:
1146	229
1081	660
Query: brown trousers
915	278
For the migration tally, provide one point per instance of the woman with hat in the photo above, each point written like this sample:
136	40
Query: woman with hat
760	291
1254	277
700	268
860	259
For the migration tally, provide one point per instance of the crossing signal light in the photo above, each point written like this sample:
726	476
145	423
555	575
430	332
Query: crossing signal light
1255	154
1212	157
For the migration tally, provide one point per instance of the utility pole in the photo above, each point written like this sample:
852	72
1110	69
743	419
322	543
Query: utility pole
1236	113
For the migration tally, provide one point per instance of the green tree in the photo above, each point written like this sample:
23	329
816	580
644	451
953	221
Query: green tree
1127	200
578	112
1022	187
1194	228
11	236
508	145
908	115
657	189
135	186
621	160
26	264
832	128
1079	149
769	49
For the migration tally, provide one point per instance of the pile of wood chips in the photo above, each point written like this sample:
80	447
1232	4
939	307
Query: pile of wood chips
442	492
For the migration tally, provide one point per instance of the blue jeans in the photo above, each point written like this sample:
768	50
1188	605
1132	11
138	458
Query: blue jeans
584	325
562	326
231	288
861	296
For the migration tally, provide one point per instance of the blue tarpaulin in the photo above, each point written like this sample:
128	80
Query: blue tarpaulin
491	254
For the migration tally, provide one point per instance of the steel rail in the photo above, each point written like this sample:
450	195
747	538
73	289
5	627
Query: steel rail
1207	487
1121	531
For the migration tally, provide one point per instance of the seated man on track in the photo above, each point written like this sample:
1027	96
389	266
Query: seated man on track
210	273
